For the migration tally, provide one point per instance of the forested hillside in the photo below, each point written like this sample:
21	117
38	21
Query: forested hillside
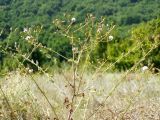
124	12
20	14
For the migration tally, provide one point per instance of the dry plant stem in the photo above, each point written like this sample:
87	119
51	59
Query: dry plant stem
39	45
48	49
130	101
68	83
89	50
74	67
87	57
115	87
86	23
84	116
61	91
77	107
6	99
106	35
81	76
43	93
79	81
35	47
75	72
111	65
81	27
121	57
75	64
68	28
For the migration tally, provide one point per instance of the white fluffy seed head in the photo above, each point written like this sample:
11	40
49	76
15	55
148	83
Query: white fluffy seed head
144	68
25	30
15	44
73	20
75	50
30	70
28	37
110	38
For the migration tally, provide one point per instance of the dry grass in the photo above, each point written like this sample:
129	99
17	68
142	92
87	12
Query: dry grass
138	97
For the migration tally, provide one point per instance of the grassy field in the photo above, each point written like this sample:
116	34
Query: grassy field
110	96
86	72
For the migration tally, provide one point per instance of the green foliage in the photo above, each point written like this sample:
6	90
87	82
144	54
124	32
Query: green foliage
150	33
145	34
18	15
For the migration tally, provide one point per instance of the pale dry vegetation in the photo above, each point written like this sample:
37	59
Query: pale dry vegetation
137	97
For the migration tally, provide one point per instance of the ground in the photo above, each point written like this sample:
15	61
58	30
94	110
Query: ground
111	96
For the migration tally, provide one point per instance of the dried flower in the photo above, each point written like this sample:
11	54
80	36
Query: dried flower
28	37
25	30
99	29
75	50
15	44
144	68
110	38
30	70
73	20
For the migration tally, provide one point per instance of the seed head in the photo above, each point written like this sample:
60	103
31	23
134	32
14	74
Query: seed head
75	50
25	30
110	38
30	70
73	20
28	37
144	68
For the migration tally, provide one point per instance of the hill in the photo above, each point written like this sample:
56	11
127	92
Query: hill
17	13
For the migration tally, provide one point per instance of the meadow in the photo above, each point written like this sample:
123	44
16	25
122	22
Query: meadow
111	96
99	78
